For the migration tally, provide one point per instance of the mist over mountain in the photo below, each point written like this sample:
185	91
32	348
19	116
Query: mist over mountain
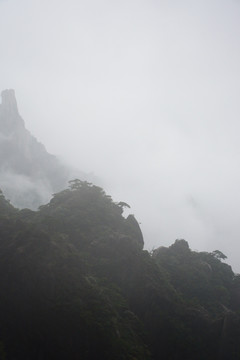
29	175
99	294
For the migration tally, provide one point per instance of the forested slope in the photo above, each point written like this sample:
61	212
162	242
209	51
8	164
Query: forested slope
77	284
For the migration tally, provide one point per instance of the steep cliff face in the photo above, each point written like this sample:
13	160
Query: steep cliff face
10	120
28	173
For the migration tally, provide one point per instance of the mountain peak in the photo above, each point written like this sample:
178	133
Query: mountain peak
9	102
28	173
10	120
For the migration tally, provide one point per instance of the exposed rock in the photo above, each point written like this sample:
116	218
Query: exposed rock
29	175
9	103
10	120
135	231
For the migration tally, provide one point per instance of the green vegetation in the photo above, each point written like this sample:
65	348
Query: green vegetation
77	284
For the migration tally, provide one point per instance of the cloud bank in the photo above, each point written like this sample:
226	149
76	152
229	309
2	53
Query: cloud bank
145	94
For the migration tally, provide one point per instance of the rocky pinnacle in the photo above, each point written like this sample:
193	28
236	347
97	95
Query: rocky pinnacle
9	103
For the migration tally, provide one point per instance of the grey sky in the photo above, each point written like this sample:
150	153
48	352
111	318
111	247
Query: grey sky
145	94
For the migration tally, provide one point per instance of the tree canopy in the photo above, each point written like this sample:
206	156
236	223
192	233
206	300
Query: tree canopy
76	283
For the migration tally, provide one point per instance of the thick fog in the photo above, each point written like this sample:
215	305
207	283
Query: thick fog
145	95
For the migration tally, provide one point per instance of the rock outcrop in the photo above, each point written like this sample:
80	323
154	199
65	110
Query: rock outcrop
29	175
135	230
10	120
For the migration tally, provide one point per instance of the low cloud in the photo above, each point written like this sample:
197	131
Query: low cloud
21	189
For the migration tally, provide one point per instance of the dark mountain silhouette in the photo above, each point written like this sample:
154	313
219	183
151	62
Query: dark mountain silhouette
76	284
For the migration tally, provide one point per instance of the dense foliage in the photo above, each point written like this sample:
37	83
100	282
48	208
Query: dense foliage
77	284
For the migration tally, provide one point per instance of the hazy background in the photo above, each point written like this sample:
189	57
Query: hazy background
145	94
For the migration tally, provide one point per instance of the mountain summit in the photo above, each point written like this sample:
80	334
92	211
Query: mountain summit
28	173
10	119
9	102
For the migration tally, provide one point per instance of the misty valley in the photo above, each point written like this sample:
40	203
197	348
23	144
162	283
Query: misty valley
76	282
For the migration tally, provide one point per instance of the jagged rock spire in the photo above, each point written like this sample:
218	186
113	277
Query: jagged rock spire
9	102
10	120
28	173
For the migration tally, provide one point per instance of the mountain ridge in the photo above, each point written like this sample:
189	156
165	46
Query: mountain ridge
76	283
29	175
